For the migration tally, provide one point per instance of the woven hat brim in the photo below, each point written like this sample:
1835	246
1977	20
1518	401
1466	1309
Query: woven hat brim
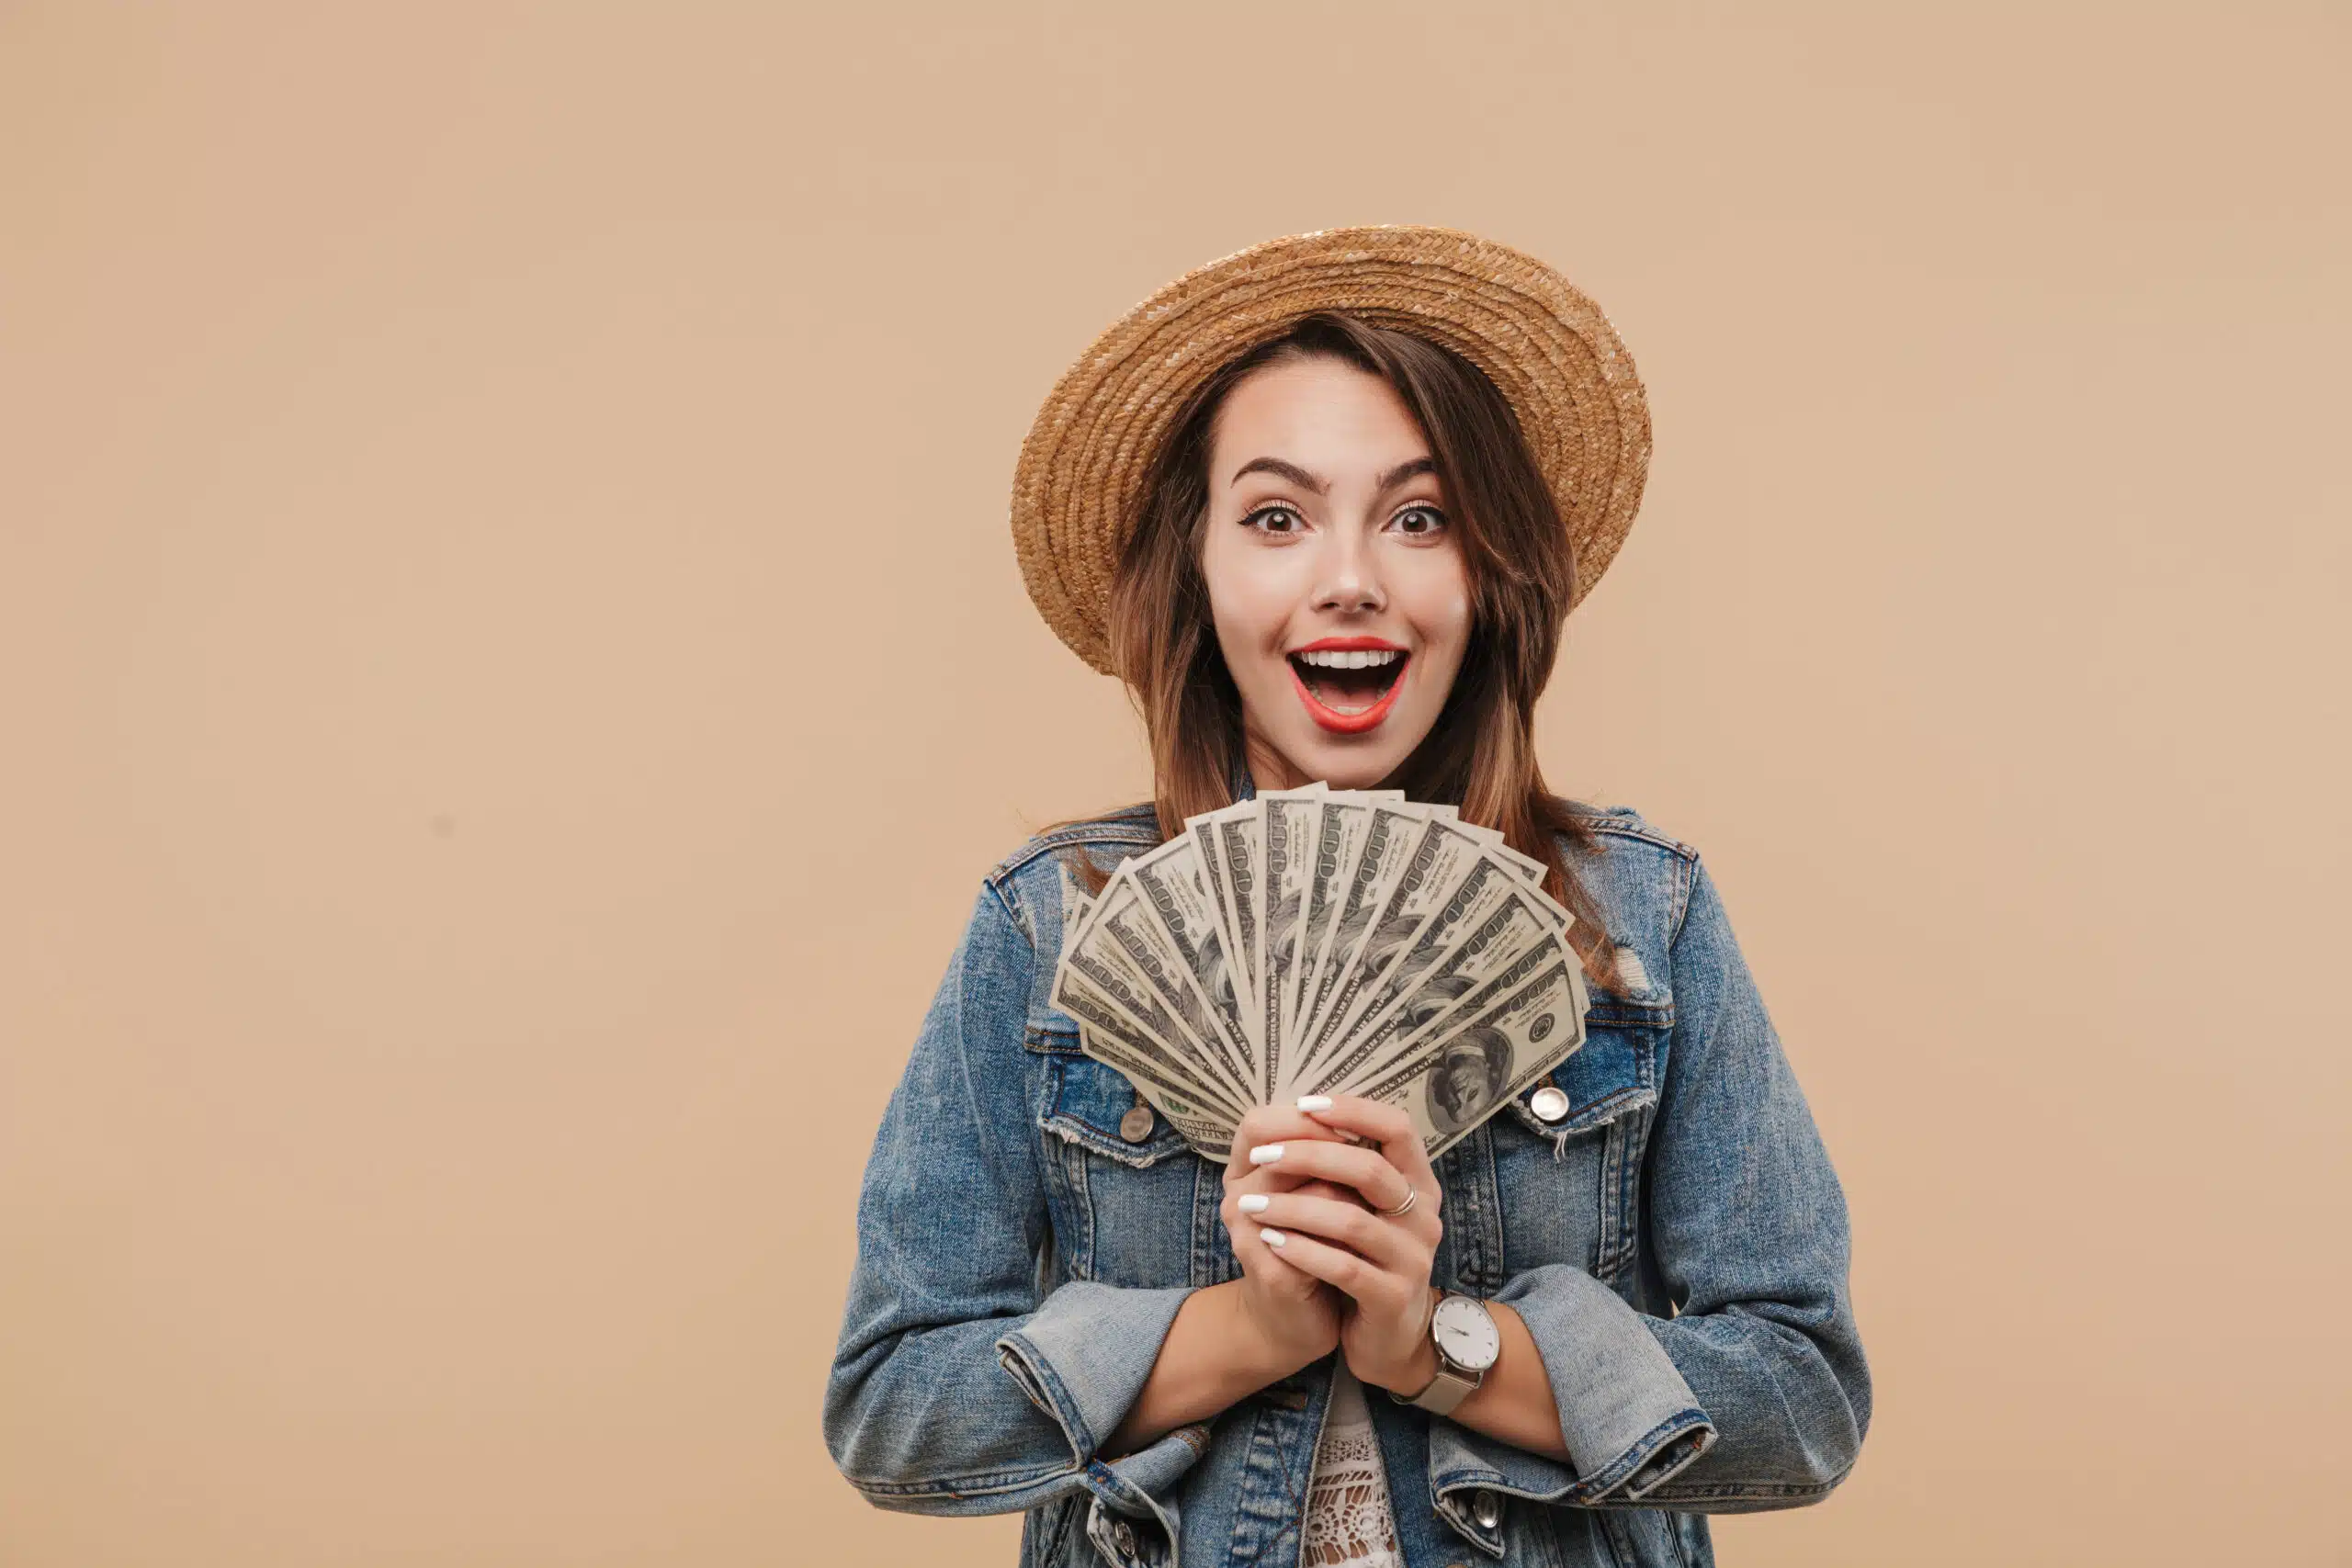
1545	345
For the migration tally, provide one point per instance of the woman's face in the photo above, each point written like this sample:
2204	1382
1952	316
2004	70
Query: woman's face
1334	576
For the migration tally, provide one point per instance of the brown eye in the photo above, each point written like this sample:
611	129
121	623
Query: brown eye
1265	516
1419	520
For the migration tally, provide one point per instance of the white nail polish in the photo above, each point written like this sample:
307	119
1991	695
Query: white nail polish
1252	1204
1275	1239
1265	1153
1314	1102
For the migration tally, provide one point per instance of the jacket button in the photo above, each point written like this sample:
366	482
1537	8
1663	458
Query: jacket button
1486	1508
1136	1125
1123	1534
1549	1103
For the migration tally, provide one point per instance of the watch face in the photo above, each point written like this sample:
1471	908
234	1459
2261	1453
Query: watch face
1465	1333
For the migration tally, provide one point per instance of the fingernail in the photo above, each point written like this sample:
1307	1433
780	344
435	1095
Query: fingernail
1265	1153
1314	1102
1275	1239
1253	1203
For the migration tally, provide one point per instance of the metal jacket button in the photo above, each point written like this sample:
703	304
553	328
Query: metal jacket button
1136	1125
1122	1531
1486	1508
1549	1103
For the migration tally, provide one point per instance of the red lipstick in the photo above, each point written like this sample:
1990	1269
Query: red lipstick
1331	719
1349	644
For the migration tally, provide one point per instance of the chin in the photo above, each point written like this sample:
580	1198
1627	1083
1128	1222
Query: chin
1350	772
1358	766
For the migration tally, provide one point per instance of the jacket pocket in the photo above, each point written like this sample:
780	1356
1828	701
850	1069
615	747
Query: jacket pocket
1568	1150
1124	1192
1093	1105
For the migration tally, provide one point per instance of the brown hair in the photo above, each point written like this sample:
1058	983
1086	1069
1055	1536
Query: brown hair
1480	754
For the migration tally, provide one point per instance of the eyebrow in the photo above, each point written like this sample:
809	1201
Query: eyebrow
1298	476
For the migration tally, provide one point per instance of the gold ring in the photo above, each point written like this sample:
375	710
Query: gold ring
1412	1196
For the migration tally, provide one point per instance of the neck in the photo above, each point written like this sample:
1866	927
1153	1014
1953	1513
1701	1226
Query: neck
1269	769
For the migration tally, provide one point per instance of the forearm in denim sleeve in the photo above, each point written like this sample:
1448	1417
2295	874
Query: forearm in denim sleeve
1624	1409
955	1388
1748	1226
1004	1413
1755	1394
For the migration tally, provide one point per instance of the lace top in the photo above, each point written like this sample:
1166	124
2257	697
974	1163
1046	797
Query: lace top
1348	1522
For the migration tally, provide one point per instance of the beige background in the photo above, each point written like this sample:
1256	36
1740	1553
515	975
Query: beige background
514	666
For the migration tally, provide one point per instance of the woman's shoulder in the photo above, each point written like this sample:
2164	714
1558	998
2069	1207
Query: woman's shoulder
1640	873
1030	879
1121	833
1626	824
1611	823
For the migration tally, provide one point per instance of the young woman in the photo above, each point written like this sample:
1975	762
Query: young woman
1421	445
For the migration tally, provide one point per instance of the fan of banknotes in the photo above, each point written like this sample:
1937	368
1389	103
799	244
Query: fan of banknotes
1324	942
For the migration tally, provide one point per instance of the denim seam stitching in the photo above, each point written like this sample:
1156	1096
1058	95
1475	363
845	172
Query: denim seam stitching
1606	1479
1045	843
1018	916
1065	1412
1758	1492
1082	1134
1596	1113
963	1485
1617	826
1600	1482
1613	1474
1707	1437
1685	877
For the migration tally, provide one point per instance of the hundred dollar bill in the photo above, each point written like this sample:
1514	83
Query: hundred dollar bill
1096	968
1488	887
1489	1056
1203	833
1287	815
1201	1115
1120	922
1339	822
1176	898
1339	843
1527	867
1390	834
1510	940
1167	1079
1240	835
1164	1077
1442	860
1468	869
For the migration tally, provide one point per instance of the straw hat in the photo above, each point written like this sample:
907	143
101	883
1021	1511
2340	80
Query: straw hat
1544	344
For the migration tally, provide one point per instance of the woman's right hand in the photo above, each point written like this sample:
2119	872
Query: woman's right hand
1230	1340
1294	1316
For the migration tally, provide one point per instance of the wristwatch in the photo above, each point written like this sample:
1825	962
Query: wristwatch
1467	1344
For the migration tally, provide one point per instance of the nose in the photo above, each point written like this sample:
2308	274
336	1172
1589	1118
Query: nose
1350	581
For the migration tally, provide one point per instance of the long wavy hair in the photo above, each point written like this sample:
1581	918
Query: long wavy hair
1480	754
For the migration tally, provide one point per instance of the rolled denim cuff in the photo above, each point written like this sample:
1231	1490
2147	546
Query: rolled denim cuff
1083	1358
1629	1418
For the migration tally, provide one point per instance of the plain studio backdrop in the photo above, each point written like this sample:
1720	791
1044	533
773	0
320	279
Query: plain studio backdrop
514	668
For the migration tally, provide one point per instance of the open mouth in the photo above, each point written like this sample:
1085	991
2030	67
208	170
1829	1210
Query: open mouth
1348	684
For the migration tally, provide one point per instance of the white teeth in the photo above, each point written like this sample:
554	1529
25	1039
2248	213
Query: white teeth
1363	659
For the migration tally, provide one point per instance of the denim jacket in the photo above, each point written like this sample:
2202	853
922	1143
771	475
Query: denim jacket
1675	1245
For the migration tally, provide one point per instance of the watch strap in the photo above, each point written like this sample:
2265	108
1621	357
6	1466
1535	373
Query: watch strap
1446	1390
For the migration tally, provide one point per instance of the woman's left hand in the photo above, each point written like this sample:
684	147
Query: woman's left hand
1380	1262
